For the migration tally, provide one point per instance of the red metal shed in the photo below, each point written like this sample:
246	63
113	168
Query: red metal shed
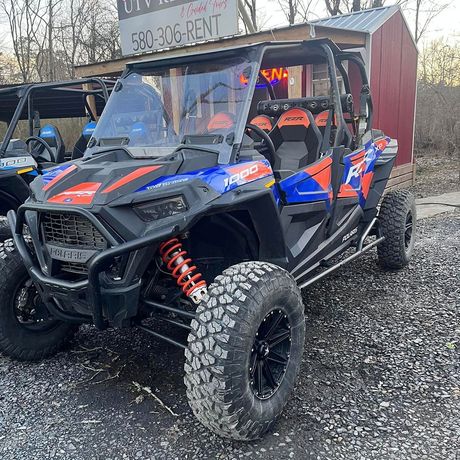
391	59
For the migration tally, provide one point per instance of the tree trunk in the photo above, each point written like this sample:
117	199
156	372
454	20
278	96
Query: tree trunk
50	42
356	5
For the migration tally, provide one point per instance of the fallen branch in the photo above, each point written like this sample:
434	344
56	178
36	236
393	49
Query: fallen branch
149	391
111	377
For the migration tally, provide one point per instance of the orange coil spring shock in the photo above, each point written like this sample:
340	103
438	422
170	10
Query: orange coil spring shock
176	260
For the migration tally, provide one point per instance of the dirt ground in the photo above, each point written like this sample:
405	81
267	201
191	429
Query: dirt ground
380	378
436	173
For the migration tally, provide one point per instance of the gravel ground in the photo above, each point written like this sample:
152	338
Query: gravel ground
436	173
380	378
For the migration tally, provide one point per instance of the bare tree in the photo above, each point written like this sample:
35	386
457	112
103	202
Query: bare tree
9	71
45	38
439	64
24	25
438	98
295	10
101	39
425	12
71	33
336	7
251	7
333	7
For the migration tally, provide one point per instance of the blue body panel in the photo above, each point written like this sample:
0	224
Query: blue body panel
50	174
222	179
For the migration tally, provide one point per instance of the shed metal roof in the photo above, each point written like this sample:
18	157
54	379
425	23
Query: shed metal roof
361	21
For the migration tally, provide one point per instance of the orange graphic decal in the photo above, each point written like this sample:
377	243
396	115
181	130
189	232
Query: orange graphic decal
130	177
80	194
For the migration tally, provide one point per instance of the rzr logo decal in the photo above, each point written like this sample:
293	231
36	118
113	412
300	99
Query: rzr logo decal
357	170
293	118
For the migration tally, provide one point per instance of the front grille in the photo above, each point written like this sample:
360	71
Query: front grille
74	267
71	231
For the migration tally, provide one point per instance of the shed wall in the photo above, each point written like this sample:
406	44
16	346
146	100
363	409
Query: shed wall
393	83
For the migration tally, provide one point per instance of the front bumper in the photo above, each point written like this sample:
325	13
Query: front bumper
108	302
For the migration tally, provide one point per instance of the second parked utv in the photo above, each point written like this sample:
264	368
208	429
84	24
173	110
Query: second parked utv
39	107
201	205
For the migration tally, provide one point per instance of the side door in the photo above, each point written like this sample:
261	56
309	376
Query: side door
354	186
305	200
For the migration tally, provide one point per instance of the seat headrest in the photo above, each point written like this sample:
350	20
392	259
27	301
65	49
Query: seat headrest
294	117
88	130
138	132
50	134
221	120
321	119
294	124
264	122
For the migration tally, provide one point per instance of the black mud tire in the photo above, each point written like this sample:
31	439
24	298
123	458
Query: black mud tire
397	217
220	348
17	341
5	231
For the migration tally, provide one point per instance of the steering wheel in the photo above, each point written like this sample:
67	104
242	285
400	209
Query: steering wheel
269	150
43	143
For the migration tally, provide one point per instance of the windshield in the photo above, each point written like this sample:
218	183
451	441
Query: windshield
155	111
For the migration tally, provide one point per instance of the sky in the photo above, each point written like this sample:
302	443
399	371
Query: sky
446	25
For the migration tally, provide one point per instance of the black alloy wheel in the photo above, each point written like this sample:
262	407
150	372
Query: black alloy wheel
408	232
270	354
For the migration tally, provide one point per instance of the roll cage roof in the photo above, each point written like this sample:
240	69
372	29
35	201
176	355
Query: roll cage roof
293	52
286	54
53	100
49	100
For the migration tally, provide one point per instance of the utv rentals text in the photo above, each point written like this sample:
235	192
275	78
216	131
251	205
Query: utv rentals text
184	212
22	160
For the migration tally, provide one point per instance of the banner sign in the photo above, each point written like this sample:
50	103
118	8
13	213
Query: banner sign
148	25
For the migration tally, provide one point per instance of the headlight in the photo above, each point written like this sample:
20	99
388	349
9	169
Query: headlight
160	209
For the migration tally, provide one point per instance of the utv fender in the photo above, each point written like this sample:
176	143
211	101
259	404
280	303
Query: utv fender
7	202
265	218
13	192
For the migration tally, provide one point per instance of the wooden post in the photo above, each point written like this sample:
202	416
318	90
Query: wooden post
91	100
295	81
176	97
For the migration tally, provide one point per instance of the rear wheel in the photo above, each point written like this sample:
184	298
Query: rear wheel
397	219
245	350
27	332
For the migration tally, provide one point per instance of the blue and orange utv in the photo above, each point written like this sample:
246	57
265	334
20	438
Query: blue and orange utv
207	203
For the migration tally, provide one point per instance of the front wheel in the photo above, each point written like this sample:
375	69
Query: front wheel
5	231
245	349
397	219
27	332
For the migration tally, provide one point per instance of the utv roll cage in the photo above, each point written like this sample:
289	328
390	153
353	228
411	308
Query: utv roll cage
290	54
44	100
